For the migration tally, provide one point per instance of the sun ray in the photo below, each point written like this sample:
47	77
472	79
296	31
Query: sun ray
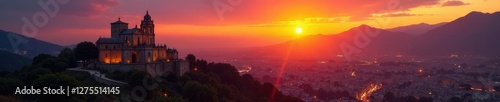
281	70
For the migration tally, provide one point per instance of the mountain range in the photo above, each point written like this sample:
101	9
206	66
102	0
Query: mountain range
10	61
473	34
26	46
420	28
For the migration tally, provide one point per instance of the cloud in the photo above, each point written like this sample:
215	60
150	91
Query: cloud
72	7
203	12
71	14
306	21
259	11
454	3
94	14
87	7
401	15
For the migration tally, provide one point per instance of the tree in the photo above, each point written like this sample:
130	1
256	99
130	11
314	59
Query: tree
201	64
9	85
30	73
54	81
170	77
86	51
4	73
136	77
59	67
53	64
197	92
41	57
67	55
192	60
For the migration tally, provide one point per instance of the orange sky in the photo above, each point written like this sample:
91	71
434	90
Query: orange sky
196	24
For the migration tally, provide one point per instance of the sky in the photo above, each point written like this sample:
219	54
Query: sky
208	24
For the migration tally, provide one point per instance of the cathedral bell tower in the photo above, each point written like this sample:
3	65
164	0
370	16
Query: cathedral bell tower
148	27
117	27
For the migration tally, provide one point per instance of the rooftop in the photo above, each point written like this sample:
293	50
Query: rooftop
110	41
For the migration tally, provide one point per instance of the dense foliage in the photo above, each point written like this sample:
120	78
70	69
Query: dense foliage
12	61
210	82
207	82
86	51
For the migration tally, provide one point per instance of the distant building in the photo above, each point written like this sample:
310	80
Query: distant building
135	48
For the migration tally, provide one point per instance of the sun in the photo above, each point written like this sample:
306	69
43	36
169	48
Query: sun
298	30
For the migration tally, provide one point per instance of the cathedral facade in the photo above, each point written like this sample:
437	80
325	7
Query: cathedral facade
132	48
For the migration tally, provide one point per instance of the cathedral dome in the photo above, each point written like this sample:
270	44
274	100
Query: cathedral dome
147	16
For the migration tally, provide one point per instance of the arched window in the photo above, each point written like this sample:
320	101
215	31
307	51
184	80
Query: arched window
138	40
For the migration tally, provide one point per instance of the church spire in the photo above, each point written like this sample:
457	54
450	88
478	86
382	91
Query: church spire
147	17
147	25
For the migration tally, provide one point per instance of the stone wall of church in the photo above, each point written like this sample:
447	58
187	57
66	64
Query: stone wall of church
110	56
110	53
181	67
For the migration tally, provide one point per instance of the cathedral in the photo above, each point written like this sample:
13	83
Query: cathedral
135	48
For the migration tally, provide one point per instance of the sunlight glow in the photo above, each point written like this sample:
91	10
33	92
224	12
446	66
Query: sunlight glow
298	30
